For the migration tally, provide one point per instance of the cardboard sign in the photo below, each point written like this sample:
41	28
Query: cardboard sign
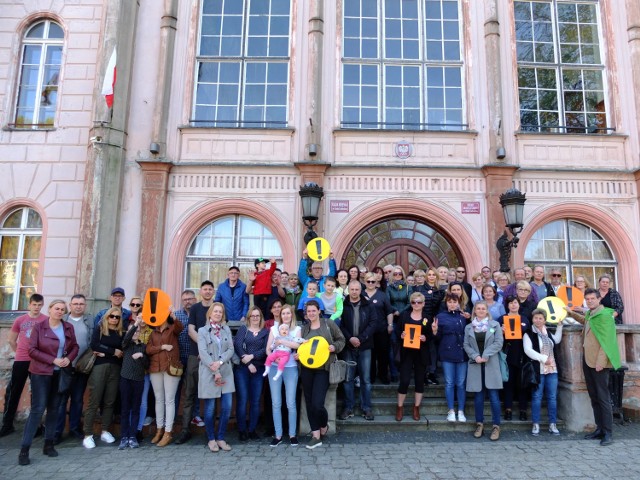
318	249
512	327
554	307
571	296
155	308
314	353
411	336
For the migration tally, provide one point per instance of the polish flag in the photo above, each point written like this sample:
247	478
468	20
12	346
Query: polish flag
109	80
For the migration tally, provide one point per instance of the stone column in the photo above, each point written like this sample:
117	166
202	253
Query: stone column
155	177
314	75
494	77
498	179
100	218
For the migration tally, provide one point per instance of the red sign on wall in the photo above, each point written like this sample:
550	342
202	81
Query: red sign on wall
339	206
470	207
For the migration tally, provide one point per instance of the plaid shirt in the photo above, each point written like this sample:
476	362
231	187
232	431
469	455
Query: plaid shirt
183	339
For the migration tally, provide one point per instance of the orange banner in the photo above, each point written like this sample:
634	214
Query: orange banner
411	336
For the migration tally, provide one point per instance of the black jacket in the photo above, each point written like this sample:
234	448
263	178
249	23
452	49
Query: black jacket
367	324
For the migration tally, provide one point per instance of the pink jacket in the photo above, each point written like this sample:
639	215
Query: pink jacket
44	347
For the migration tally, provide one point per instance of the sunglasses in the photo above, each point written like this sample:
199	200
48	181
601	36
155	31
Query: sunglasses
117	317
372	282
556	275
416	302
397	274
460	271
135	304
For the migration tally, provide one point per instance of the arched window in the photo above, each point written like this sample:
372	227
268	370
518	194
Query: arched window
231	240
39	75
20	240
574	248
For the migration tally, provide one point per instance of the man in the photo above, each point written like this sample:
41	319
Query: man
556	280
277	292
232	294
19	338
187	298
316	271
358	326
486	274
117	298
600	355
512	289
197	320
82	327
460	277
528	273
543	289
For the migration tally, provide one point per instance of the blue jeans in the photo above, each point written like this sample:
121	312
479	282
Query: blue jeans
548	383
143	402
363	361
248	389
130	398
209	416
290	378
44	395
455	378
494	398
76	395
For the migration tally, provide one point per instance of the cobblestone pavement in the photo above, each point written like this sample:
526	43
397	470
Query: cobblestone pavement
424	455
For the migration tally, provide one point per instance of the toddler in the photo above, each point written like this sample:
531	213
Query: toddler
280	353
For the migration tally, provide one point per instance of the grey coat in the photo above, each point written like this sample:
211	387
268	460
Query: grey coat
492	345
210	352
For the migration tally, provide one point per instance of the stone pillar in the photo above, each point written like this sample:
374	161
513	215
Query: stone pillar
155	177
498	179
314	75
100	218
494	77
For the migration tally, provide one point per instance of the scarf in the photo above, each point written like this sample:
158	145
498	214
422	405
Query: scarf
604	328
215	328
480	325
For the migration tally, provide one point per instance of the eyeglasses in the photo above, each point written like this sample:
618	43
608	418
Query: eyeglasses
371	282
556	275
117	317
135	304
416	302
189	299
397	274
460	271
524	290
254	316
78	304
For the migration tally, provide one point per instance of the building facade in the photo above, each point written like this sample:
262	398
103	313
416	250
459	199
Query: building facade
414	116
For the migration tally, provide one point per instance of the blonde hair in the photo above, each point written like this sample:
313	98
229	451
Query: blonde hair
292	310
481	302
104	322
416	295
56	301
224	315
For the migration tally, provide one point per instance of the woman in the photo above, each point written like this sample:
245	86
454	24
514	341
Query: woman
478	283
432	301
442	277
538	346
52	346
515	356
482	342
489	294
451	275
342	277
523	290
250	345
215	374
382	314
132	374
448	331
412	358
106	342
581	284
144	331
465	304
289	377
503	280
610	298
315	381
163	351
380	278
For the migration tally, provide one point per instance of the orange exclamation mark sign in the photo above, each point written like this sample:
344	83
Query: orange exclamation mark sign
319	249
153	303
312	352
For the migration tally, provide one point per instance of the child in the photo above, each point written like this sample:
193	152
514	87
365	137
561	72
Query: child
260	280
134	362
293	290
280	353
331	300
312	291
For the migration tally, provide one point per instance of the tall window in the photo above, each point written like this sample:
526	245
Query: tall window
402	65
232	240
574	248
20	240
242	75
39	75
561	81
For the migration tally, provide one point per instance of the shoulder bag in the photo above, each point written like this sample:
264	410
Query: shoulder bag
86	361
338	368
175	368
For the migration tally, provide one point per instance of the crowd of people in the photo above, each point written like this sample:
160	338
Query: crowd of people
389	325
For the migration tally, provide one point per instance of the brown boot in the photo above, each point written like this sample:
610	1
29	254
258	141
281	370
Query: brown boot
166	439
479	430
495	433
416	412
158	435
399	413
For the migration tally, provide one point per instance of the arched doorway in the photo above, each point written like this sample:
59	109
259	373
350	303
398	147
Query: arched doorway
407	242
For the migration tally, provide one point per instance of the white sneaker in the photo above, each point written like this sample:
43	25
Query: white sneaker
147	421
535	430
461	417
553	429
451	416
88	442
356	382
197	421
107	437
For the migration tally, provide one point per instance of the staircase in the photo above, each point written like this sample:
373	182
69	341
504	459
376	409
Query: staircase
433	413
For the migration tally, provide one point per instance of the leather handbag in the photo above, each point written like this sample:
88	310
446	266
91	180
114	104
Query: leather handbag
529	377
86	361
65	378
175	369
